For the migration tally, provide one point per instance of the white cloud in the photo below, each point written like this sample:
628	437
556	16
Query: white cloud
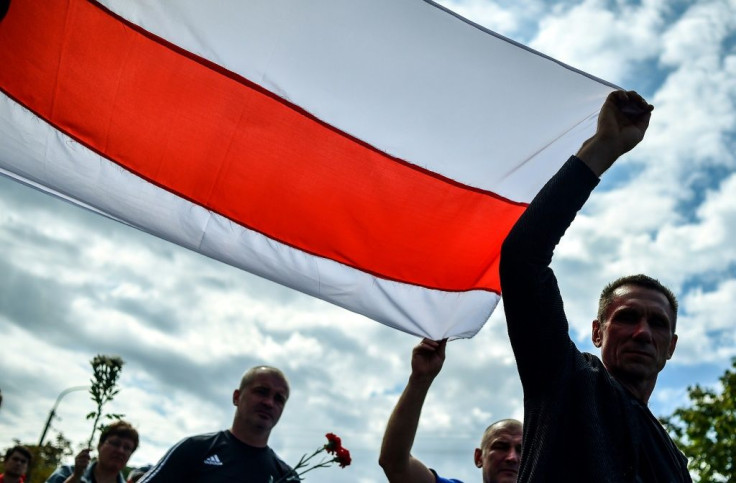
706	331
490	15
697	36
602	42
73	284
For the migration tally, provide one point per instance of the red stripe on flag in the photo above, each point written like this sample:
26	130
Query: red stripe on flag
220	141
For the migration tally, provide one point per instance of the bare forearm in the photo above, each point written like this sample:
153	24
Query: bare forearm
395	458
597	155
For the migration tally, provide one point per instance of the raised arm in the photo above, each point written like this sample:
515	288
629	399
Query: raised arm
396	460
538	328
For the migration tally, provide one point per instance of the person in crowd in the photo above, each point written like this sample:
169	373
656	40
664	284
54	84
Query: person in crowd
240	453
586	419
117	442
500	447
17	460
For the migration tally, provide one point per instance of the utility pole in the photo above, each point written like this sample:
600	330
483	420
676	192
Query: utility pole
53	410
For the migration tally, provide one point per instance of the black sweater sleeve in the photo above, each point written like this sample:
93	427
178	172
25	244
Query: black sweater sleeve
537	325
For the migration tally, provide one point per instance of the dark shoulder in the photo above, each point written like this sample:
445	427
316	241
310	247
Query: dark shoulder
283	468
597	370
592	370
282	464
223	435
593	362
200	443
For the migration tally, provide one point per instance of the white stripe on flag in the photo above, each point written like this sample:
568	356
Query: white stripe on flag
36	153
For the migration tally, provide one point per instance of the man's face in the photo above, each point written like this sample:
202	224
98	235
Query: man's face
636	339
113	454
499	455
16	465
261	402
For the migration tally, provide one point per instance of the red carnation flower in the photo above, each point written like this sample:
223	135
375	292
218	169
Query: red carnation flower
333	443
305	465
343	457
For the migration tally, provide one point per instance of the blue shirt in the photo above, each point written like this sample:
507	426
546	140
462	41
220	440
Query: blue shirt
65	471
439	479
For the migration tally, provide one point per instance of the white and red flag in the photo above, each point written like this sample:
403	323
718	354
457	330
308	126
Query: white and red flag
372	153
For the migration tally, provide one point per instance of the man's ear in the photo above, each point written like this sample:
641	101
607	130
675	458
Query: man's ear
236	396
673	344
478	458
597	334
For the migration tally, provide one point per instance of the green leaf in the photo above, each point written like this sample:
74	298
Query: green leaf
705	430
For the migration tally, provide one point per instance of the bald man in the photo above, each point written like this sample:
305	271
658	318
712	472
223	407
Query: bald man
241	453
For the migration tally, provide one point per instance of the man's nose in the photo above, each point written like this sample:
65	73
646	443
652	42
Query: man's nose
513	455
643	331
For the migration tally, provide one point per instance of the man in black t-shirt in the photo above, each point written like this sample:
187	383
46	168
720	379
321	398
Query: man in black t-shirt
241	453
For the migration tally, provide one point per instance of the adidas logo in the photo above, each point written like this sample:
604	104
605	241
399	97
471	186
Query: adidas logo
213	460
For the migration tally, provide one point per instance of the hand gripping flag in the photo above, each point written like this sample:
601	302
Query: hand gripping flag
372	153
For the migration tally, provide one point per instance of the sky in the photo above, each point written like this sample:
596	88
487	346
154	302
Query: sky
74	284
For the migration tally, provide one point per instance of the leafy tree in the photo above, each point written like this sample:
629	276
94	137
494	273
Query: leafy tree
106	371
706	431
